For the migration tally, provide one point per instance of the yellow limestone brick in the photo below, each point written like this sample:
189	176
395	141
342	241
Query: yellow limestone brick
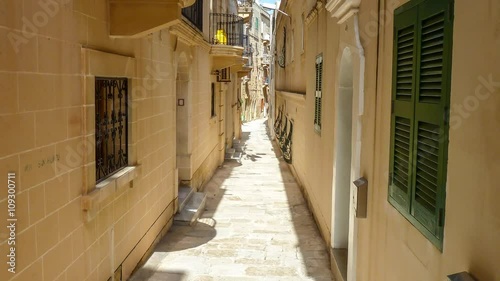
47	234
56	193
8	165
8	84
51	126
20	129
37	203
57	259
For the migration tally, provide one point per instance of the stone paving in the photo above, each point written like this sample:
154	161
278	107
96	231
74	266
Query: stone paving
256	226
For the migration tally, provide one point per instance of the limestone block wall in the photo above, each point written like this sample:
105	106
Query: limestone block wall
50	54
205	137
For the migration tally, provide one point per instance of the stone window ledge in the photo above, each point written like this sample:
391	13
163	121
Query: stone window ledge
116	183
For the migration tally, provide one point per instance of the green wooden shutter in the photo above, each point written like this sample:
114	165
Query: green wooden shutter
318	92
431	111
404	62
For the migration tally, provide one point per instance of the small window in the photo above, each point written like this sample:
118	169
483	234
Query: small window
420	109
318	93
212	108
224	75
111	126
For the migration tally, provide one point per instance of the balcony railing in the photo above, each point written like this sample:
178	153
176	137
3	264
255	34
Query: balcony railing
226	29
248	50
194	14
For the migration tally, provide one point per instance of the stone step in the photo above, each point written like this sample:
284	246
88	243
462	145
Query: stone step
185	193
236	156
192	211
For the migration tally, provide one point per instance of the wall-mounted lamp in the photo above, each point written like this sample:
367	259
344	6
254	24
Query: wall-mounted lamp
462	276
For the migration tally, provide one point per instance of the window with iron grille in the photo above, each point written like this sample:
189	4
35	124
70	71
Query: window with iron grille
423	36
111	130
318	93
224	75
212	109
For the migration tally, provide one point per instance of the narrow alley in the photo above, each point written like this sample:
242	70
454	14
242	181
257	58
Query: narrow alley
256	226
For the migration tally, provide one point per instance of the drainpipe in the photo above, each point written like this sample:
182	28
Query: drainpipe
361	51
351	270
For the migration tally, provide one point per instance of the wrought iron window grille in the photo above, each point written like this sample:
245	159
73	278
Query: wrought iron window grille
111	125
224	75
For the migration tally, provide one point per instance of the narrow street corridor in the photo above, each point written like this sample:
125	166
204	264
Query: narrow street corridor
256	225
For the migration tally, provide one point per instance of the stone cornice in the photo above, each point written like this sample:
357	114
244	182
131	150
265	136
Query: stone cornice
343	9
189	35
296	96
314	12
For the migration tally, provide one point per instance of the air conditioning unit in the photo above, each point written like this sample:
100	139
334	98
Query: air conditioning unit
224	75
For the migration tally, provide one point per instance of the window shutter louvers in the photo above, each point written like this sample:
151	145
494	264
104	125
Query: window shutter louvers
431	108
403	111
419	131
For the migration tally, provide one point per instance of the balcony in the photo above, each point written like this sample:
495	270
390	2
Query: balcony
226	37
248	58
137	18
245	10
190	29
248	49
194	14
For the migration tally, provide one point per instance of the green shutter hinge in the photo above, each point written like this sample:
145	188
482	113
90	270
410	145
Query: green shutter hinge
441	217
390	178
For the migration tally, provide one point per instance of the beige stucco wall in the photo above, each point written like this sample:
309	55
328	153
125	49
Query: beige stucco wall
393	248
312	153
252	87
47	112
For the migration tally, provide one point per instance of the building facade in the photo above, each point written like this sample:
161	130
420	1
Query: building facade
255	86
106	107
394	110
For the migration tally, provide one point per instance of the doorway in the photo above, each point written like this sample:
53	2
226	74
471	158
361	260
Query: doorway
183	119
343	171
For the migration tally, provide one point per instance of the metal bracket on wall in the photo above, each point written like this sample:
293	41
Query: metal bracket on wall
362	198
